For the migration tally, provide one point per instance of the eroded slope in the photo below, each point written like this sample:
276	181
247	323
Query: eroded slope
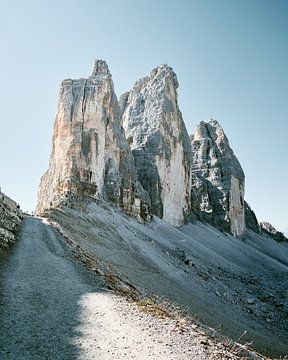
231	284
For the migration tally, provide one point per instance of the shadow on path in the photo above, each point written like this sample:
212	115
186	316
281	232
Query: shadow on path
40	297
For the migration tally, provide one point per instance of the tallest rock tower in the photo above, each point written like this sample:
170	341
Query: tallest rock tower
90	155
160	144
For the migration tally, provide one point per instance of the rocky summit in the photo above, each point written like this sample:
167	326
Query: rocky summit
136	154
90	155
218	179
160	144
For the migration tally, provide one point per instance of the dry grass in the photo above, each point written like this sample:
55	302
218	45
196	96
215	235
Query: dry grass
149	307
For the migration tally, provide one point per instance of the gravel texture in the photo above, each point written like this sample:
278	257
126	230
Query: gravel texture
235	286
51	309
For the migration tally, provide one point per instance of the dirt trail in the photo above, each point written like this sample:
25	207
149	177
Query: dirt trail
49	310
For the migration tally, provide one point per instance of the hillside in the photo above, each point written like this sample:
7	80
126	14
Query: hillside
156	212
51	307
233	285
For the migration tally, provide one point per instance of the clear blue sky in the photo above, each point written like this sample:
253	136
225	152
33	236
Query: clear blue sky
230	57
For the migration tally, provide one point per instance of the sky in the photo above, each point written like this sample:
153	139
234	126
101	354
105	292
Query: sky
230	57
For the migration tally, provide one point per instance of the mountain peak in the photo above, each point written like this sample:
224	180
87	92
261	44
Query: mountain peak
100	68
164	71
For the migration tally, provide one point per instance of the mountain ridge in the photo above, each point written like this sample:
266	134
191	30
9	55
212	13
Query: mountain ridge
136	154
146	212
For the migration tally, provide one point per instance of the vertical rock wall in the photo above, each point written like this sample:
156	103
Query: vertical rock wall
217	179
160	144
152	167
90	154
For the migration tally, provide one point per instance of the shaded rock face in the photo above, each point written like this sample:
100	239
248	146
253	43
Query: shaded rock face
268	229
251	219
160	144
10	219
217	180
90	155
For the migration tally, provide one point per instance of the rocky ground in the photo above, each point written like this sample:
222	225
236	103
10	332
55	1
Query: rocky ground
236	286
51	307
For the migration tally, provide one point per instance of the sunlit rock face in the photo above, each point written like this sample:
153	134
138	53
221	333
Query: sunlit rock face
90	155
157	135
137	155
10	219
217	180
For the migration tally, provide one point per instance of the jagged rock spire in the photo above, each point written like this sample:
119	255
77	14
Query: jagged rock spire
90	155
218	181
160	144
100	68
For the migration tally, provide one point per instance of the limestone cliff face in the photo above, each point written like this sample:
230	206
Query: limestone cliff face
90	154
217	180
148	166
160	144
10	218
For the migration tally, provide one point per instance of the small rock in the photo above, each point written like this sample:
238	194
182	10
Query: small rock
279	305
250	301
204	341
265	298
188	262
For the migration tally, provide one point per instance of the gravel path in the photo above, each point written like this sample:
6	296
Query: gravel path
49	310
